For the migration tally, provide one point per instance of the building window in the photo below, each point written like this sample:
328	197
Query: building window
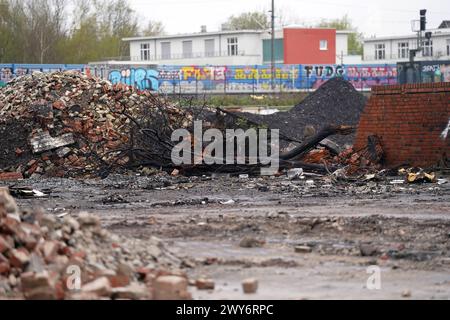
187	49
323	45
380	52
448	47
165	50
145	51
403	49
428	48
209	48
232	46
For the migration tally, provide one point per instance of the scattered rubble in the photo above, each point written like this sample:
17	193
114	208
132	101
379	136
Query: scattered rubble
41	255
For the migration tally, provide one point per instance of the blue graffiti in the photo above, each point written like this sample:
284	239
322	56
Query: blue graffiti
140	78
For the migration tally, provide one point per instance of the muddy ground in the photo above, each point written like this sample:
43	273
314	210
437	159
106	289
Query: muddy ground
402	229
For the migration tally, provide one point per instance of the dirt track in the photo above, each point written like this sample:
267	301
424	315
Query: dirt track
404	229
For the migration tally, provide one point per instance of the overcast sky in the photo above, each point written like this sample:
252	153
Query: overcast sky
380	17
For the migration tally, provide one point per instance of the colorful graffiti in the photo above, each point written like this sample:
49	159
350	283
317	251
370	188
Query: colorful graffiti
143	79
361	76
191	79
229	79
6	75
436	72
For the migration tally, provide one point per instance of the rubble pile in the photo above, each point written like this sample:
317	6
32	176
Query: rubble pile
66	123
45	257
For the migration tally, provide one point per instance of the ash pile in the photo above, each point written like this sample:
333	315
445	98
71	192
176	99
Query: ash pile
46	257
336	102
67	124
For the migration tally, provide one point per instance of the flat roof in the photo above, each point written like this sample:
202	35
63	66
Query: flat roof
228	32
197	34
436	32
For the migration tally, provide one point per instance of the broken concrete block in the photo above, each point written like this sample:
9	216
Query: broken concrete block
39	286
63	152
205	284
101	287
170	288
88	220
134	291
44	142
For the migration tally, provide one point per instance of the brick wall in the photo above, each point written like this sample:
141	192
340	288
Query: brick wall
410	120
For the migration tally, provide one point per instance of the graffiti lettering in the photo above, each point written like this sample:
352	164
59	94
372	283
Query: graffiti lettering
140	78
324	71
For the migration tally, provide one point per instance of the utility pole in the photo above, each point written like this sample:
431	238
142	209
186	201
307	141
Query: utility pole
273	46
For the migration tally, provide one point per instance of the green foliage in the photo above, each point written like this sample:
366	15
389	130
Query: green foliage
354	40
36	31
287	100
249	21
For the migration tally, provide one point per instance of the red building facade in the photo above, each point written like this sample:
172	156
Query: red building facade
309	46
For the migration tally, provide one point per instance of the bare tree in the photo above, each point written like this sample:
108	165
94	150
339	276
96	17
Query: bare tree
154	28
45	27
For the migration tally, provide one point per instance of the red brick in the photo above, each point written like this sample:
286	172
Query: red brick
8	176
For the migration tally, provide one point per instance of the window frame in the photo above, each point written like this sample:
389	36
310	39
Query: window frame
323	48
380	48
427	48
145	52
233	46
403	49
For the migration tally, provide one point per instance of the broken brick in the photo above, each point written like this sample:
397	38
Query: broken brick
250	286
4	245
205	284
19	258
8	176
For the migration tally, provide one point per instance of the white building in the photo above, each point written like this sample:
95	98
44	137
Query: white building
238	47
396	48
241	47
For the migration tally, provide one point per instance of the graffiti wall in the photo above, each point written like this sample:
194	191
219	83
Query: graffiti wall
228	79
259	78
11	71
